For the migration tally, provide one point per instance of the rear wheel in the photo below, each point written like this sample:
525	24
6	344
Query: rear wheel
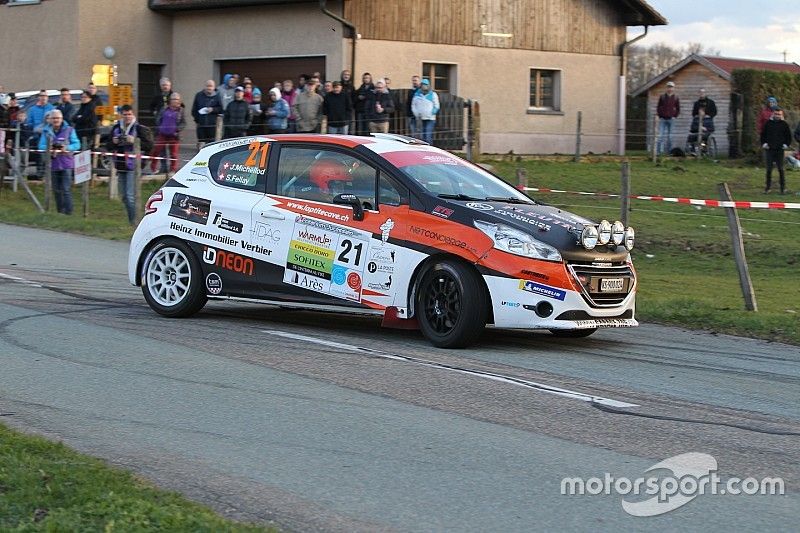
451	305
172	280
572	333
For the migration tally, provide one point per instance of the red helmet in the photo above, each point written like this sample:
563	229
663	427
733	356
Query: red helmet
324	171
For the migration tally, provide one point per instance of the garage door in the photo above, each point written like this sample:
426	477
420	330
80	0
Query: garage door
265	72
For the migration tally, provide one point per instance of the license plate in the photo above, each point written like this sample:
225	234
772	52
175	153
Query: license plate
612	284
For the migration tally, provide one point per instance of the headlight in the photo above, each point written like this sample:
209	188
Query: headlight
618	232
605	232
589	237
629	237
517	242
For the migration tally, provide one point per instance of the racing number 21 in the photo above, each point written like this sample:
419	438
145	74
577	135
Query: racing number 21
255	148
344	255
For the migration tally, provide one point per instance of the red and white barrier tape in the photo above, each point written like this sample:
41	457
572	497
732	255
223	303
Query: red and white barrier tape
689	201
127	154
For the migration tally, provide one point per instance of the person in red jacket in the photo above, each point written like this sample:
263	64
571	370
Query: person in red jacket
766	112
669	107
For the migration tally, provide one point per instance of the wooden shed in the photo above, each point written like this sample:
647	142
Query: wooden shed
712	73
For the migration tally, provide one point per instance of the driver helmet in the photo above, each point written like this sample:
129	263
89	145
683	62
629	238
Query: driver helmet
326	171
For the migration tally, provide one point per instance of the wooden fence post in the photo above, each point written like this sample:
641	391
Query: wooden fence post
476	132
48	173
522	179
738	250
655	139
218	131
578	138
85	184
625	194
19	169
137	180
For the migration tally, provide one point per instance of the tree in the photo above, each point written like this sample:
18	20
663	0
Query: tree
647	62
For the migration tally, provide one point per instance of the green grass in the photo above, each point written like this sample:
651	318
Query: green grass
45	486
683	253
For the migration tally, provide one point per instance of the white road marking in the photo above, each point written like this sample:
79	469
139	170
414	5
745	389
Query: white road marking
541	387
20	280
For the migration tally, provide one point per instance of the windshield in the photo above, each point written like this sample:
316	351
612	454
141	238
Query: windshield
460	180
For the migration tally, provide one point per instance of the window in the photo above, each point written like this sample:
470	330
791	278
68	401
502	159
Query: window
319	175
545	93
441	76
241	167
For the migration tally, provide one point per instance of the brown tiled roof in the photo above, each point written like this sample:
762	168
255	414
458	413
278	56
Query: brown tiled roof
729	64
186	5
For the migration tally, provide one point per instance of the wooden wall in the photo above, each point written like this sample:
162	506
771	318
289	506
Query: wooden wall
577	26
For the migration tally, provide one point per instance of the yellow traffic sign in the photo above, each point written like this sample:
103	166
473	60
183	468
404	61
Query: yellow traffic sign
103	75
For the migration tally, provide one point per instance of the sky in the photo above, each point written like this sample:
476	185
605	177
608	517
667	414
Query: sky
736	28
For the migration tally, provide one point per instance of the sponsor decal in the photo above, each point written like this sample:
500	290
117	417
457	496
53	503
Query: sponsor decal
436	236
385	228
313	210
222	239
442	211
478	206
256	248
228	261
383	256
440	159
236	142
265	232
385	286
354	281
537	275
509	304
528	219
213	283
201	163
373	267
543	290
334	257
247	181
227	224
177	226
190	208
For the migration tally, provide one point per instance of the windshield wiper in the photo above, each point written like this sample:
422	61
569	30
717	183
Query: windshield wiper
510	200
458	196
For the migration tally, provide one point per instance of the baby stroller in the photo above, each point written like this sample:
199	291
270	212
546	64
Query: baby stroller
707	147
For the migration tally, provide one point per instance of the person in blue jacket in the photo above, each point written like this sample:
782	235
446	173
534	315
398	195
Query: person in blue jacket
425	106
63	141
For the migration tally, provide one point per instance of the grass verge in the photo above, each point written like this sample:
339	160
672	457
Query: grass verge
45	486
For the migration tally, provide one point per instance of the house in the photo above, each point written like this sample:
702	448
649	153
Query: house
531	64
712	73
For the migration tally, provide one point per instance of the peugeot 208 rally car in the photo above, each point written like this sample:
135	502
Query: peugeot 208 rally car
383	224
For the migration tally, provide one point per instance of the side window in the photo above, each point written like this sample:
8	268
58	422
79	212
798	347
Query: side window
241	167
388	192
320	174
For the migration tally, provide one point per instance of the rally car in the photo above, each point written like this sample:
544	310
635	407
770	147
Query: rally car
385	225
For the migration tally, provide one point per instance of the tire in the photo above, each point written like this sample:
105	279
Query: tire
451	304
572	333
172	280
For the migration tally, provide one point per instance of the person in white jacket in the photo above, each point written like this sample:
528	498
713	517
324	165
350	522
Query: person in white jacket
425	106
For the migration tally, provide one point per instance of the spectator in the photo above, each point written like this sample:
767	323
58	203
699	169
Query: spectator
277	112
337	108
766	113
302	80
425	107
65	106
85	119
775	138
706	104
13	110
63	141
37	115
668	109
237	115
289	94
227	89
359	103
123	135
92	88
378	108
413	130
25	130
205	108
248	91
346	78
258	108
161	100
170	122
5	114
327	87
308	108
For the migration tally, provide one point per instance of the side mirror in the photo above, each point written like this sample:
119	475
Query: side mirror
353	201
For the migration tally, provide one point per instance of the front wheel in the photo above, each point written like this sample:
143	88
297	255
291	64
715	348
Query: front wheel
572	333
172	280
451	305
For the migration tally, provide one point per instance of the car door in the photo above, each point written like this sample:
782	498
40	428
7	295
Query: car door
327	252
239	174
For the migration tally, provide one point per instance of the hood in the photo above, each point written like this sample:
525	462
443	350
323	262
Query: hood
551	225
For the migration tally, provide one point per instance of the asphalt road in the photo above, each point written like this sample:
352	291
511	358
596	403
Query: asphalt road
324	422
